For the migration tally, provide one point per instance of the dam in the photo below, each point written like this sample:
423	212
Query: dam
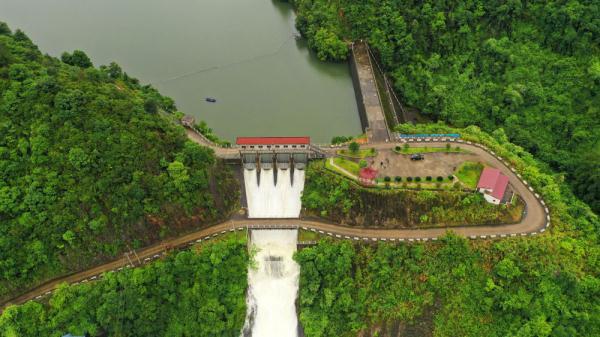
274	174
274	180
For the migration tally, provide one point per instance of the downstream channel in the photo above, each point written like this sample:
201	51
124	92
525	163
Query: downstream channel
242	52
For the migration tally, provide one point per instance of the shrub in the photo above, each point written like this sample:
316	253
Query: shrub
448	146
409	179
428	178
406	146
362	163
397	148
340	140
354	147
387	179
450	177
397	179
417	179
440	178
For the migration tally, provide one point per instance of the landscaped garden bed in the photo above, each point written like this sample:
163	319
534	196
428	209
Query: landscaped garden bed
359	154
468	173
348	165
407	149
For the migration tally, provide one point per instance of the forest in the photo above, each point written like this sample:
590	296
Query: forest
531	67
90	167
336	198
199	292
541	286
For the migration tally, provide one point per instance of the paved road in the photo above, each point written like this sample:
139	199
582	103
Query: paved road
221	152
534	221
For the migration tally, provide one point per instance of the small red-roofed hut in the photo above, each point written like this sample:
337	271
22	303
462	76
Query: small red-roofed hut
367	175
493	184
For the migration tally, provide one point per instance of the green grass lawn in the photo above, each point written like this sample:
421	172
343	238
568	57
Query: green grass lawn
446	183
304	235
362	153
413	150
347	165
468	173
238	235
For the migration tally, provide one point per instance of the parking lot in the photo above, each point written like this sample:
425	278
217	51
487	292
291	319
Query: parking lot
389	163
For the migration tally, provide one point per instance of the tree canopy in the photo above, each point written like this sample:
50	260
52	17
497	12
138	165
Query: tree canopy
531	67
544	285
88	168
191	293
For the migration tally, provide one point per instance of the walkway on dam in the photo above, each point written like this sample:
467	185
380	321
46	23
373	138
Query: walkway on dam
377	128
221	152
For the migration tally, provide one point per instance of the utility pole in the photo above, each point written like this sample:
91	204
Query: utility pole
134	253
130	262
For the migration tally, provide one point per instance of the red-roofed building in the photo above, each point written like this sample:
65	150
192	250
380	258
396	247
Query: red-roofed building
268	143
493	184
367	175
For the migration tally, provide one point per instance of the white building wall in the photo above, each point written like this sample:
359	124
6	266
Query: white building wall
491	199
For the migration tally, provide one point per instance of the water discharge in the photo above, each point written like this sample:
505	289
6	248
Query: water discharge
274	197
273	285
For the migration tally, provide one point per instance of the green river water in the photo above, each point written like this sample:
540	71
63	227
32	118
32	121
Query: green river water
241	52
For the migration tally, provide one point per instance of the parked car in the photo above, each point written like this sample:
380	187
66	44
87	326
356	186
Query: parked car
417	156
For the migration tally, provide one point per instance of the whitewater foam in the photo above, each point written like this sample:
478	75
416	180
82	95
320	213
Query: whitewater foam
267	199
273	285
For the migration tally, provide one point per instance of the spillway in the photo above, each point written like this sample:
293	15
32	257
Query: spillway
268	197
273	285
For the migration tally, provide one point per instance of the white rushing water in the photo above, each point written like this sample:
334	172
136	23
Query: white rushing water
273	285
269	200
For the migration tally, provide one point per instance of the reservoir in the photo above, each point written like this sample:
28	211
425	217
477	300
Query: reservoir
242	52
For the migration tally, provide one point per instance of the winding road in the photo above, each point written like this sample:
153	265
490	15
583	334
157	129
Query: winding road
535	221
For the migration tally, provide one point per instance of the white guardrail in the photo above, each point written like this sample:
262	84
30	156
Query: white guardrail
333	234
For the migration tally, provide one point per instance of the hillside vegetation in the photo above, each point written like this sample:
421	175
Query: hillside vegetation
341	200
546	285
89	168
529	66
187	294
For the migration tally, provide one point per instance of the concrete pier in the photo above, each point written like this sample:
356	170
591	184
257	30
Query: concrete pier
372	115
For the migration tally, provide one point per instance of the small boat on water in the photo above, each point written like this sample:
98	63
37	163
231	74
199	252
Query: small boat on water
211	100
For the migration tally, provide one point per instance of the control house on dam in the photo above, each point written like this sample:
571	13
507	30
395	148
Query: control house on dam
278	153
273	169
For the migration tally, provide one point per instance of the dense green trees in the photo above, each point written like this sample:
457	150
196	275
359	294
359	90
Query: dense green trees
187	294
531	67
87	167
515	287
546	285
78	59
